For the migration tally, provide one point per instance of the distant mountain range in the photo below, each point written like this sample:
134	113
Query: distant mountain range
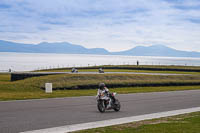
157	50
68	48
45	47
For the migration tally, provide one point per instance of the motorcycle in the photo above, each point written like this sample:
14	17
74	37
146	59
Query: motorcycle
103	102
101	70
74	70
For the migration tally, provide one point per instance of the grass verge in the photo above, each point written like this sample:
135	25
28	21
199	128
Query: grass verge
186	123
91	81
38	94
30	88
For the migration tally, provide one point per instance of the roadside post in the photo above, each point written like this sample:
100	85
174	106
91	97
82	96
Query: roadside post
48	87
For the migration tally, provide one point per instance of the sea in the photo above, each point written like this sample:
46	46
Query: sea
37	61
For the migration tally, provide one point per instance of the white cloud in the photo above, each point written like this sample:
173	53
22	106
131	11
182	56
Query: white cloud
112	24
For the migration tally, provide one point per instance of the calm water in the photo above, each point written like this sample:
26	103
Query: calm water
35	61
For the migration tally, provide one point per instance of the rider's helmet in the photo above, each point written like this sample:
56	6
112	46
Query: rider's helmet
101	86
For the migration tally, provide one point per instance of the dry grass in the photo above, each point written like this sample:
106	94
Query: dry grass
31	87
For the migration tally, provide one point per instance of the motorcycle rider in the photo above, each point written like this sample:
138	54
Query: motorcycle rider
103	89
101	70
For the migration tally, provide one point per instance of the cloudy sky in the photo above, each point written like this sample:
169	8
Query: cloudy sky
112	24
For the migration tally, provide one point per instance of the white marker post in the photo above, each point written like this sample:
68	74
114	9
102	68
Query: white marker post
48	87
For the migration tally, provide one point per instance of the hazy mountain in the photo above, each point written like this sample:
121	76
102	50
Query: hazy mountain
6	46
157	50
68	48
45	47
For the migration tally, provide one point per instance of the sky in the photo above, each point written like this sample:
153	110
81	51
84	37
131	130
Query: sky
115	25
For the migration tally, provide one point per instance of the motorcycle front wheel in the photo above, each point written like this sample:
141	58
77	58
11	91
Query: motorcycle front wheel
117	105
101	107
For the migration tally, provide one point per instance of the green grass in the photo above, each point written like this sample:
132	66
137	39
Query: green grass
148	71
4	77
186	123
163	67
91	81
20	95
30	88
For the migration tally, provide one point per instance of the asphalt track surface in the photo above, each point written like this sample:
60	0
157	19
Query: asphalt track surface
18	116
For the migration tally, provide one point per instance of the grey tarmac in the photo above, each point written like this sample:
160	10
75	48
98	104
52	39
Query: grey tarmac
26	115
